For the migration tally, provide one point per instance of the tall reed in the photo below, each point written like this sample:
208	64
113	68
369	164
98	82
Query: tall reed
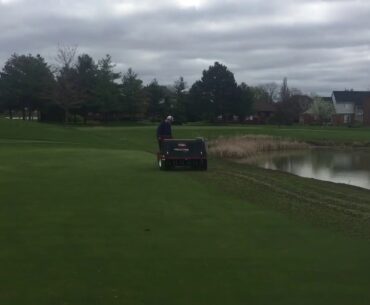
251	145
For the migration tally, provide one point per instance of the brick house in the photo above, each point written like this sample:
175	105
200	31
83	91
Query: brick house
263	112
351	107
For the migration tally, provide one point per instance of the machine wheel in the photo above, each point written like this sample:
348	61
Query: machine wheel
204	165
164	164
161	164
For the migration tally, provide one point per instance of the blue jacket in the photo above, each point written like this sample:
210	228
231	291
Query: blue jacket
164	130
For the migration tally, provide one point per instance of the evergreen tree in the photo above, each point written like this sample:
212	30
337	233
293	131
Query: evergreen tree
197	103
86	78
218	92
179	107
26	84
245	101
107	90
284	91
156	99
133	95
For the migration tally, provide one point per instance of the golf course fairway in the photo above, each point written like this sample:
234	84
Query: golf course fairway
87	218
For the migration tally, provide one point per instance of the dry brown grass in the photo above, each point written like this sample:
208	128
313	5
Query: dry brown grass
242	147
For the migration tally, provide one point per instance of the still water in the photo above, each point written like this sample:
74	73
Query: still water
340	166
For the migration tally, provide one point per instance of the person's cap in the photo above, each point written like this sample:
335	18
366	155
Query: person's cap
170	118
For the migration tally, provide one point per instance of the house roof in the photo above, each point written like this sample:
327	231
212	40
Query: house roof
264	106
356	97
327	99
309	111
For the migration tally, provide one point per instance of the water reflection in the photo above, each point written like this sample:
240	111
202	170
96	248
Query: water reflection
340	166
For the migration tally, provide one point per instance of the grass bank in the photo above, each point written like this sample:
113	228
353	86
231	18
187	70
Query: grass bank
86	218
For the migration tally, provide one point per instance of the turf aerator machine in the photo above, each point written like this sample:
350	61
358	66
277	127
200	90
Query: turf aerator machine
175	153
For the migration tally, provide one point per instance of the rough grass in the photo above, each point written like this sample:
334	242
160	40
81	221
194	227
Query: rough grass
249	146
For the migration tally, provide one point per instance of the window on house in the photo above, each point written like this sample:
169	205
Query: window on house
347	118
359	114
359	110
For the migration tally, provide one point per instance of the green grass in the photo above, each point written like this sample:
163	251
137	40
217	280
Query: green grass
86	218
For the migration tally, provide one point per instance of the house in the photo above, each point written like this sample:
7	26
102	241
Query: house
312	115
263	111
351	107
308	117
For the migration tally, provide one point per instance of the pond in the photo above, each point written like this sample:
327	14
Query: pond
339	166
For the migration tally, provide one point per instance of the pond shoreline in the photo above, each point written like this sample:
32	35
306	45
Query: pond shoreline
250	146
331	144
325	161
350	166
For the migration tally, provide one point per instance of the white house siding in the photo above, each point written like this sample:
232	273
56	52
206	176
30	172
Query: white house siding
343	107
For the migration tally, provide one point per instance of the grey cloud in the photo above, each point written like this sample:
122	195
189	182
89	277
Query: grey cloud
318	45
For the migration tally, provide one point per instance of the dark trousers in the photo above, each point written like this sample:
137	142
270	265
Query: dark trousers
160	141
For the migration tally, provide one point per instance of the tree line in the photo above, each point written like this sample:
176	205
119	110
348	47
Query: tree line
79	89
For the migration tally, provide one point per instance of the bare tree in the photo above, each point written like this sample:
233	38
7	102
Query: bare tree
66	56
295	91
271	90
180	85
66	89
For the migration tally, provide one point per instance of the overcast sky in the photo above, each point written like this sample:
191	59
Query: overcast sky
319	45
